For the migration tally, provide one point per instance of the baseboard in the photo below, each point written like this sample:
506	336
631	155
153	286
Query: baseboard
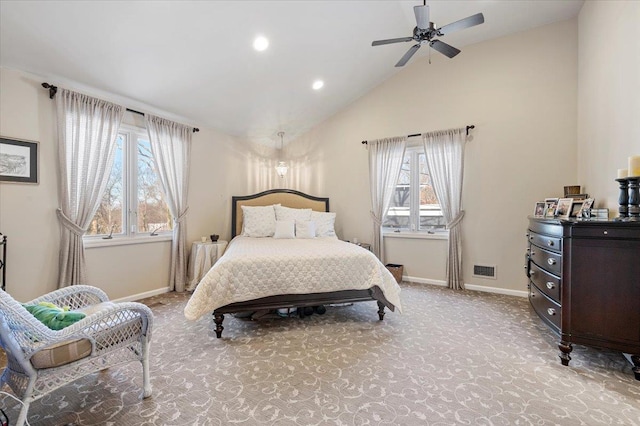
144	295
497	290
473	287
419	280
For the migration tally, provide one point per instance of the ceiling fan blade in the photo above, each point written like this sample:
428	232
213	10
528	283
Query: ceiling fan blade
412	50
444	48
467	22
391	40
422	16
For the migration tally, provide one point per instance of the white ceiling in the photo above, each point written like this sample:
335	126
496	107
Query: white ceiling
194	59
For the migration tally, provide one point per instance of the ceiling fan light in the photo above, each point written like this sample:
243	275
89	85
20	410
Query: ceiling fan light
317	85
260	43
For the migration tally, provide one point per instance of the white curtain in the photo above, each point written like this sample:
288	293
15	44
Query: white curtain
171	149
385	162
87	132
445	159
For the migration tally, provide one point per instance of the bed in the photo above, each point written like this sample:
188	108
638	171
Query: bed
268	273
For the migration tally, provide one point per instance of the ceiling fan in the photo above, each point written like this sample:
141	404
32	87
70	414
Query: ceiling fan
425	32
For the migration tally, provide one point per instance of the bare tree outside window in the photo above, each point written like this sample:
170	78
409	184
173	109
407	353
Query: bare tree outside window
414	205
133	194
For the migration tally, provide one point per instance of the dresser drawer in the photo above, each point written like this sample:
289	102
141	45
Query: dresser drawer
546	242
548	310
606	232
546	260
546	283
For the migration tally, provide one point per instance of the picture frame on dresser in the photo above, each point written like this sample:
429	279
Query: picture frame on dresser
539	209
563	210
550	207
576	208
18	161
586	207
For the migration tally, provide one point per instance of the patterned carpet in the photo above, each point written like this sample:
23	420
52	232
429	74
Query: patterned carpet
464	358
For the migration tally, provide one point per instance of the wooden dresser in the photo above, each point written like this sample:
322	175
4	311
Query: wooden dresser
584	283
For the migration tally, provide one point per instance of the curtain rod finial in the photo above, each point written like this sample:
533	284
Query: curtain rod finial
52	89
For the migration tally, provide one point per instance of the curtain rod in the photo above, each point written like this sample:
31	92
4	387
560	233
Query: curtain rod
469	127
54	89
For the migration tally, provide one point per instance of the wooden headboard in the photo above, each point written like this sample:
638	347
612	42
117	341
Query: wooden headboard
286	197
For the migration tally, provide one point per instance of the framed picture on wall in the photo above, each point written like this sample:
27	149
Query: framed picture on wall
18	161
563	210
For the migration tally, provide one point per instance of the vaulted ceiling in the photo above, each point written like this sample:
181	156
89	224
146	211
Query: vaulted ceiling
195	60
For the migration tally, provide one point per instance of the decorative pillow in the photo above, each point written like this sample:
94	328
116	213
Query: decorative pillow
287	213
325	223
258	221
305	229
54	317
284	229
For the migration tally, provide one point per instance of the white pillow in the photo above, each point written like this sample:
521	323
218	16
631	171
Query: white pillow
287	213
325	223
284	229
259	221
305	229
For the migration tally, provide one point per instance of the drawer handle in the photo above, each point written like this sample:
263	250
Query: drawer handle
606	232
532	273
550	285
551	311
550	243
551	261
533	253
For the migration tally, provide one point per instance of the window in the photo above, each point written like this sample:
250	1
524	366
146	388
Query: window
133	202
414	205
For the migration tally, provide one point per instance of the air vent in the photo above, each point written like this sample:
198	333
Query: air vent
484	271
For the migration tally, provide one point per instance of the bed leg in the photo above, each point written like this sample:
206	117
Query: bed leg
381	310
218	318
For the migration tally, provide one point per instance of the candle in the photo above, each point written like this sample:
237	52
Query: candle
623	173
634	165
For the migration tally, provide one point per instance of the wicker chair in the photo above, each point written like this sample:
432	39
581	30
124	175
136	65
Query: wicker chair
41	360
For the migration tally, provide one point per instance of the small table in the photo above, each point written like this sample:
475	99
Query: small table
203	257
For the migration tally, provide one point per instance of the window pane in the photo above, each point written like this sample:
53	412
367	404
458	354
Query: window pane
430	213
153	213
398	215
108	218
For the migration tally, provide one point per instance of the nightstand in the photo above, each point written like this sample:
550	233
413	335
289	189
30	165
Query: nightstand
203	257
363	245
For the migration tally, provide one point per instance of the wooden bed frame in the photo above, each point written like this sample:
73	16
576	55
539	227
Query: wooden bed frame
293	199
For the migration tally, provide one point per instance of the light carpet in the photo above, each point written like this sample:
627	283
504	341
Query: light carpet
452	358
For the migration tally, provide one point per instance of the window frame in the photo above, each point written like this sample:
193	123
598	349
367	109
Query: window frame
130	235
414	150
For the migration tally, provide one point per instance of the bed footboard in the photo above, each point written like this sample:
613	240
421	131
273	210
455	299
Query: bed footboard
301	301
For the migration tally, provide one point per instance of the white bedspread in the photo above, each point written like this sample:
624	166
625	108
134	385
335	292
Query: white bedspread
252	268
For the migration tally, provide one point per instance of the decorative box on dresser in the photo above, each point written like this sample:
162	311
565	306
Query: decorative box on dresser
584	283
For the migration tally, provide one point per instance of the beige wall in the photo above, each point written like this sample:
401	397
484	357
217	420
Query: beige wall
608	95
27	212
519	91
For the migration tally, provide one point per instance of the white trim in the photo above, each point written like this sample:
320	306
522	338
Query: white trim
496	290
472	287
124	241
418	280
144	295
437	235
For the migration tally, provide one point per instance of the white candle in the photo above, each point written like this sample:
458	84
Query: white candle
634	165
623	173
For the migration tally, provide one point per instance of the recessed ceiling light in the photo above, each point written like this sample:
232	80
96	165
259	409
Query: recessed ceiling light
260	43
317	85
